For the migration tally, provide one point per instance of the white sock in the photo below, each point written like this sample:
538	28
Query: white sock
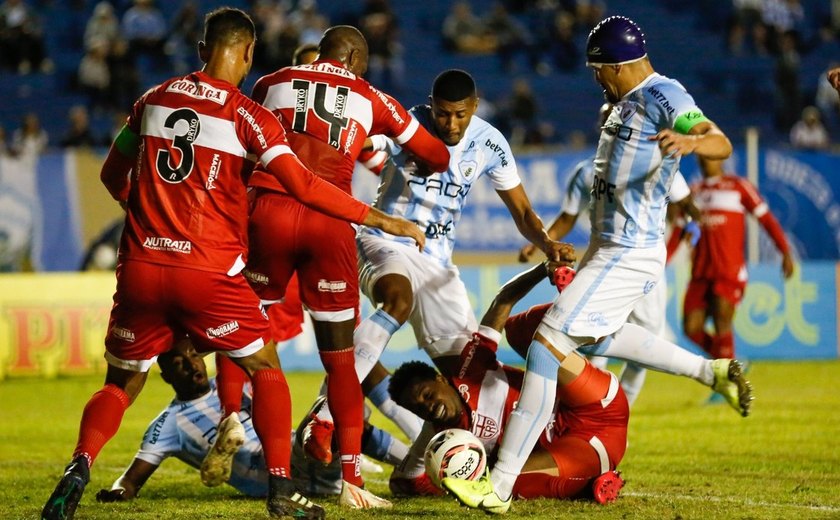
632	379
528	420
409	423
370	339
634	343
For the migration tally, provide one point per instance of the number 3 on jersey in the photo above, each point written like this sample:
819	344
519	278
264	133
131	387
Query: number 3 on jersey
335	118
183	142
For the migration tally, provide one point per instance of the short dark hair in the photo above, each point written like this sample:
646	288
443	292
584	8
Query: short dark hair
303	49
227	26
406	375
453	85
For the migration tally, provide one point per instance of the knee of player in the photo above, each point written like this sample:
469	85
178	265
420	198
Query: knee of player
397	299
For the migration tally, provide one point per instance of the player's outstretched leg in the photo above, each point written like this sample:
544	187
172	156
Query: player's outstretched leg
605	488
355	497
477	494
64	500
732	385
285	501
217	465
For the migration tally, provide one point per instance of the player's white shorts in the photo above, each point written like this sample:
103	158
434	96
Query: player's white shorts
610	281
649	312
442	317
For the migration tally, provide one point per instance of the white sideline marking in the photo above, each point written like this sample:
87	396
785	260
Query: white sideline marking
693	498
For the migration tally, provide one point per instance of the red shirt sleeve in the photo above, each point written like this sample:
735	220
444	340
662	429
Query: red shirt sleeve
117	166
755	204
393	120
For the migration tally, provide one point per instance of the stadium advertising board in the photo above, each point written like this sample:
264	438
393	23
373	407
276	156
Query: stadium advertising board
55	324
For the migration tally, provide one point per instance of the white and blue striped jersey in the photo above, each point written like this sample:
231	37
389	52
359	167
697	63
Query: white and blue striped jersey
578	194
632	178
435	203
186	430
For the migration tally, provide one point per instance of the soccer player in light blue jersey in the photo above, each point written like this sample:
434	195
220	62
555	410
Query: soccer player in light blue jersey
188	426
425	287
654	122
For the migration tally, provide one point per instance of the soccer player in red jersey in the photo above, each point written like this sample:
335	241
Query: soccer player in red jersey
178	166
719	270
579	450
328	111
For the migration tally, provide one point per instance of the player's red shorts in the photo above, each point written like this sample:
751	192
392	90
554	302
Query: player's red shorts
154	304
700	291
590	439
520	328
286	237
286	317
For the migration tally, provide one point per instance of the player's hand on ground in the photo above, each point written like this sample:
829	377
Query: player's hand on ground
112	495
787	265
412	487
674	144
834	78
527	252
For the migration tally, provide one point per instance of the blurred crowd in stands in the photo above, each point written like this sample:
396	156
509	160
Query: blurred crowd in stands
128	45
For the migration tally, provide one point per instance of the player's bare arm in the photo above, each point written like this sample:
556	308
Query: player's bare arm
395	226
704	139
559	228
128	485
528	222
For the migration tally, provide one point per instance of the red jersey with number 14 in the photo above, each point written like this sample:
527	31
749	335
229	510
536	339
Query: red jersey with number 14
328	112
187	203
723	202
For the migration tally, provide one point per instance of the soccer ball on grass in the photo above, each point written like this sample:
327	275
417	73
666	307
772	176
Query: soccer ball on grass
455	453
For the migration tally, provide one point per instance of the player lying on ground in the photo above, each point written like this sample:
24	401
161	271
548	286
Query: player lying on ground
187	427
576	455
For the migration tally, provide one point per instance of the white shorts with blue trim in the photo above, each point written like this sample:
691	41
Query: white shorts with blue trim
610	282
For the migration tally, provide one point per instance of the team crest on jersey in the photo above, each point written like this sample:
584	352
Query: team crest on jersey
464	390
467	168
628	109
485	427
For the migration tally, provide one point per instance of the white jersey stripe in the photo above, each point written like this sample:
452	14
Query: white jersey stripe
612	391
215	133
601	450
720	200
283	96
409	131
273	153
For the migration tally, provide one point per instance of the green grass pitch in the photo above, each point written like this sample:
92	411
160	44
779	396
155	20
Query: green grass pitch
686	460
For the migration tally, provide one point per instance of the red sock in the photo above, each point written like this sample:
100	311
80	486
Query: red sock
230	378
100	421
344	394
272	416
703	340
723	346
543	485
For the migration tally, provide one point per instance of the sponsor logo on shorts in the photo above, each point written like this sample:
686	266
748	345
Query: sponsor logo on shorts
123	334
255	277
223	330
649	286
328	286
597	319
198	90
167	244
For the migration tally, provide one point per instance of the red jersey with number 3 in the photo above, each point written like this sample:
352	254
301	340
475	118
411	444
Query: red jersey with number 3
328	112
187	205
723	202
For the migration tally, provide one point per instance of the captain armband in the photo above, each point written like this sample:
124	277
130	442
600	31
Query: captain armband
687	120
127	142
